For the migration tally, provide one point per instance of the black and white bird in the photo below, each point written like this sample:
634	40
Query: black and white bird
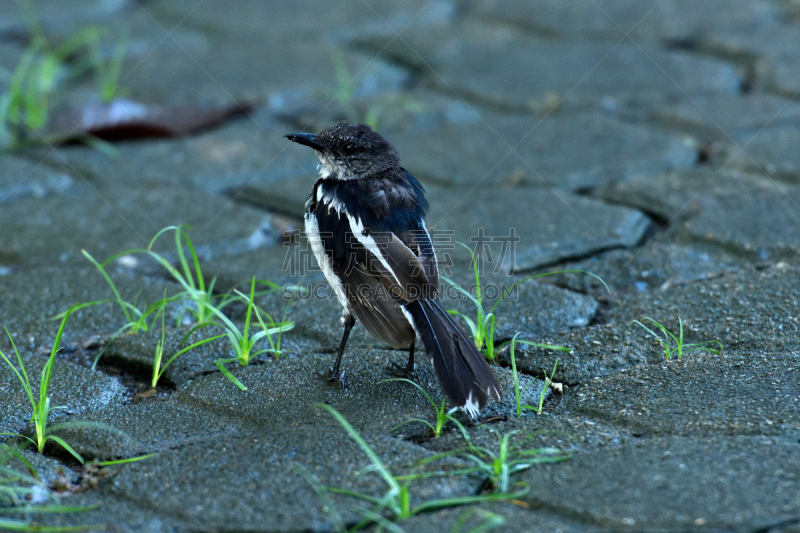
365	221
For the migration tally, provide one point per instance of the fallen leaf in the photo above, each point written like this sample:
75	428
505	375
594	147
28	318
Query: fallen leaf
123	119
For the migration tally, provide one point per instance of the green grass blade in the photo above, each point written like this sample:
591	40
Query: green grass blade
200	326
353	494
21	458
160	232
226	322
187	273
246	332
63	444
547	383
39	509
667	335
176	275
664	342
227	373
417	385
18	435
85	305
373	457
23	526
101	268
48	369
184	350
698	346
553	347
515	375
201	283
22	374
435	505
124	461
463	291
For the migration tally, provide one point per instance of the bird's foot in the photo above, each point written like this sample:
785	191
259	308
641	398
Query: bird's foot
333	378
405	372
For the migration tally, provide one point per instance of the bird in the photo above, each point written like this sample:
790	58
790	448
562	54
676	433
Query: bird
365	223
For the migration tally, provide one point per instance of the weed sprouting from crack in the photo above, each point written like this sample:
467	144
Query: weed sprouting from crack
396	503
674	345
442	415
482	328
517	394
497	466
40	401
22	492
243	341
204	306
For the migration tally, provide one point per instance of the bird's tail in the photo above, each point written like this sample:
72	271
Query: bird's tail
463	373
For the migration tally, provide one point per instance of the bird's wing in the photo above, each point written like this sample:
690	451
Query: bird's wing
386	256
376	309
372	283
379	252
419	240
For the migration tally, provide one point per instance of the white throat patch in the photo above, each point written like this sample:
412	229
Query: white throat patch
327	168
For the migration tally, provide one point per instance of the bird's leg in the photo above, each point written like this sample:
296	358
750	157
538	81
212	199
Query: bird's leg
350	321
407	372
410	364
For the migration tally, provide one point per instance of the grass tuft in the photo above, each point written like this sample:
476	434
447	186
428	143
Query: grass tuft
442	416
674	345
204	306
396	503
40	402
244	342
482	328
23	493
43	70
158	356
499	465
517	394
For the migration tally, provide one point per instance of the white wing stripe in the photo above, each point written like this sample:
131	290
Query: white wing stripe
357	227
433	251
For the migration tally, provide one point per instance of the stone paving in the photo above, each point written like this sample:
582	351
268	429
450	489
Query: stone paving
650	142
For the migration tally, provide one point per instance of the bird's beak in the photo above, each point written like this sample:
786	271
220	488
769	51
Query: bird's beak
308	139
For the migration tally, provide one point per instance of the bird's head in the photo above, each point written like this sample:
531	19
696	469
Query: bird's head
350	151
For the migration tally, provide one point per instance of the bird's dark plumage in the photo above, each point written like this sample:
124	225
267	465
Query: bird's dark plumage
365	219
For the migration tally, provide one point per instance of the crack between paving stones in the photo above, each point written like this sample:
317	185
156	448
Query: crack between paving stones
482	100
571	514
601	314
746	61
575	257
776	253
775	527
660	221
421	77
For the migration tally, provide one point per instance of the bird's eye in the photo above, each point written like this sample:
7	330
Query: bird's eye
350	149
